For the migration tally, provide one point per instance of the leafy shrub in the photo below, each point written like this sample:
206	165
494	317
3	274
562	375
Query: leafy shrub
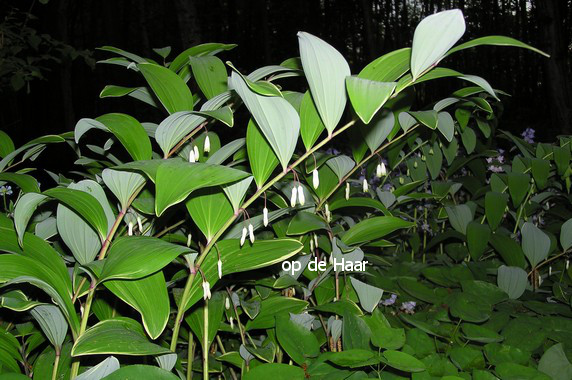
173	245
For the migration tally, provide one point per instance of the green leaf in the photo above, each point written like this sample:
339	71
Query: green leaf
311	125
477	239
369	296
326	71
555	363
129	132
215	313
101	370
566	235
24	210
201	50
298	342
147	295
139	93
171	90
469	139
118	336
341	165
135	257
262	159
359	202
540	171
273	307
494	41
210	209
84	204
367	96
446	125
512	280
389	67
235	259
175	179
304	222
480	334
377	131
356	334
277	119
25	182
218	157
210	74
459	216
52	322
236	191
428	118
122	184
6	144
495	205
535	243
510	251
373	228
469	308
20	269
49	139
275	371
433	37
402	361
517	371
79	236
518	185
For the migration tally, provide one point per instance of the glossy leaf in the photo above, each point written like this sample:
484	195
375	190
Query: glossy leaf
171	90
311	125
373	228
512	280
210	74
367	97
262	159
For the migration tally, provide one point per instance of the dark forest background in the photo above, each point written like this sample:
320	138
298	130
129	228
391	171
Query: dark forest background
48	79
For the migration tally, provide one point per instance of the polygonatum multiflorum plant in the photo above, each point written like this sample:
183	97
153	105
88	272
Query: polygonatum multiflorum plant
341	231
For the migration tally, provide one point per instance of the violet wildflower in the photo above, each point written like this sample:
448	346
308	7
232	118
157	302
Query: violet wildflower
409	307
5	190
528	135
390	301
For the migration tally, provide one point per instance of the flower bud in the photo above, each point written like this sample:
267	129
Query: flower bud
140	224
130	229
293	197
188	240
383	169
328	213
207	147
315	179
243	238
206	290
251	232
550	270
219	267
401	180
431	151
192	157
316	240
311	245
196	150
347	191
227	303
365	186
378	170
415	164
301	197
231	320
265	217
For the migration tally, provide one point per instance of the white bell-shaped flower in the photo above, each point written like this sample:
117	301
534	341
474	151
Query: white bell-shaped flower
251	232
196	150
192	157
265	217
243	237
206	290
130	229
315	179
293	197
219	267
365	186
347	191
301	197
207	146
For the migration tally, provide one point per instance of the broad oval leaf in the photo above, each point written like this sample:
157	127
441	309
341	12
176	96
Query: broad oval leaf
262	159
373	228
130	133
326	71
122	184
277	119
433	37
512	280
535	243
311	125
171	90
210	209
52	322
369	296
210	74
367	96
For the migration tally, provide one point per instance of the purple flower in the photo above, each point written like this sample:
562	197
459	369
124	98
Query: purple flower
528	135
409	307
387	187
495	169
390	301
5	190
333	151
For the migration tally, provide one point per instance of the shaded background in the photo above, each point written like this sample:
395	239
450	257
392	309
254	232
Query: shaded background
48	79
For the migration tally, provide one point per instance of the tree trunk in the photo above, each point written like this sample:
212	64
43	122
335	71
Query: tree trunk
557	82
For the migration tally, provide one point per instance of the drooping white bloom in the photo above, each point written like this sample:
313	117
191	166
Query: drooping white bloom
550	270
192	157
251	232
311	245
328	213
383	169
243	238
293	197
206	290
219	267
265	217
347	191
227	303
301	197
378	170
130	229
140	224
231	323
365	186
315	179
189	240
207	147
196	150
316	240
